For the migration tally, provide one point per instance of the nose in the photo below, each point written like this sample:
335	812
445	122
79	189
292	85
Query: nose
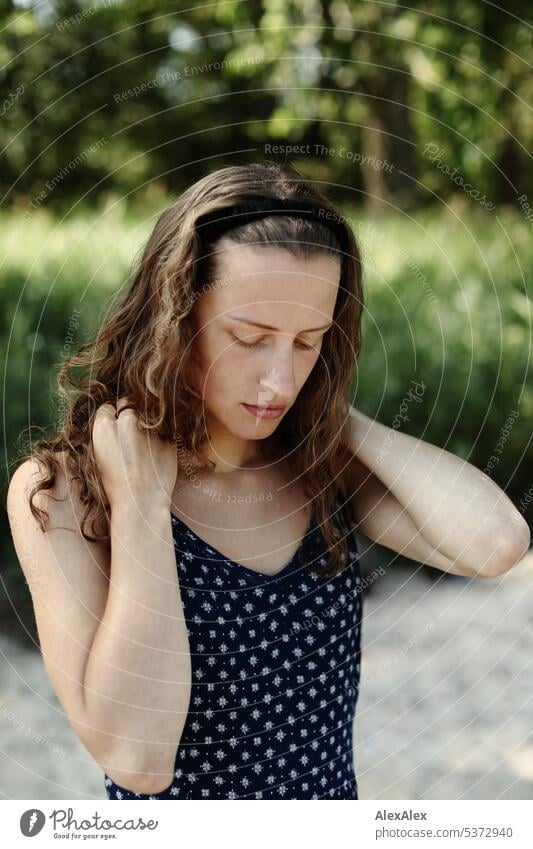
278	385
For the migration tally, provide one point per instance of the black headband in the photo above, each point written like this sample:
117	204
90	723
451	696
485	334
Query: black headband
214	224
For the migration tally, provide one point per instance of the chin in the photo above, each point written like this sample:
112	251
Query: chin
259	431
243	426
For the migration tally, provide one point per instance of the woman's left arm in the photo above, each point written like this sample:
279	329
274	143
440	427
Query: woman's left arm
430	505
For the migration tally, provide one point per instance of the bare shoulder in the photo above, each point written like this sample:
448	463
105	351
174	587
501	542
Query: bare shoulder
61	501
68	578
63	536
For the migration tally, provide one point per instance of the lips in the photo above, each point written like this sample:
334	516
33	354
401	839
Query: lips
264	411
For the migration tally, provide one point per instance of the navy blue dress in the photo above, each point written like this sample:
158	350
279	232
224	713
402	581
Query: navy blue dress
275	676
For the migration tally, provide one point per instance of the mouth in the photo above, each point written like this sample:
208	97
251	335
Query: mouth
264	411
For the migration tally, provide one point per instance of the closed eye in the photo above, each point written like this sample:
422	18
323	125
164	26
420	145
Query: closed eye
303	345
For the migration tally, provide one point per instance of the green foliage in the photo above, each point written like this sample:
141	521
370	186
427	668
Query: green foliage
55	283
448	306
381	79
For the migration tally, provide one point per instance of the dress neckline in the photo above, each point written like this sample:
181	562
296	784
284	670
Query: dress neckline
241	566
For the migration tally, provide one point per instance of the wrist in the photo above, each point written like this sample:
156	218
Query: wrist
141	508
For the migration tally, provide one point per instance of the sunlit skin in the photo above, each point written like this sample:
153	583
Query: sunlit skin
241	363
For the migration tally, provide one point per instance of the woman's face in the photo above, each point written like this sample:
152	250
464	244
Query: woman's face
259	331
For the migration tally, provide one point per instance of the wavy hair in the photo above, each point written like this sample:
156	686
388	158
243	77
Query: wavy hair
142	351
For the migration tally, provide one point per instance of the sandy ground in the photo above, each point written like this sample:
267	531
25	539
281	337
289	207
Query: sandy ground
444	710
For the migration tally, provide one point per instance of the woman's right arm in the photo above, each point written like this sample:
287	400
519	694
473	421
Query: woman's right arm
111	625
137	679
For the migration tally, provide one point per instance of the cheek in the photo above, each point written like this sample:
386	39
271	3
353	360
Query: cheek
306	366
226	372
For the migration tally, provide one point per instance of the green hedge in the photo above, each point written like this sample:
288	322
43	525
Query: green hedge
447	306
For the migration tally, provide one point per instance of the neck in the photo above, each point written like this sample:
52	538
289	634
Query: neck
233	456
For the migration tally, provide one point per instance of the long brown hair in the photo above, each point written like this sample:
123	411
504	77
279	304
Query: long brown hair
142	351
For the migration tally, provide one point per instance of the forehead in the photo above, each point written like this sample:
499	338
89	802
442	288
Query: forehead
271	284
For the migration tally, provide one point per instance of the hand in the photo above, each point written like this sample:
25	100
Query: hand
133	464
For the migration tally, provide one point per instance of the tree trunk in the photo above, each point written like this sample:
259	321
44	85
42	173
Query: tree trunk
389	138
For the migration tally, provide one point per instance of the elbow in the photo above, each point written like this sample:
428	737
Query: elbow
146	781
154	778
508	551
147	775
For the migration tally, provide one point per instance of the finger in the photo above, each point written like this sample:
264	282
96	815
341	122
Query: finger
106	411
124	403
125	412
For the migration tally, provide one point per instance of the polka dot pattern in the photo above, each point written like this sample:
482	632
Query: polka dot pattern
275	676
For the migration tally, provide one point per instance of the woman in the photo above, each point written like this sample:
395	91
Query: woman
208	637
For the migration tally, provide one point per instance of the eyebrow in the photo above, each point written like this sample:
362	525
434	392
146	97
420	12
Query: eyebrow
268	327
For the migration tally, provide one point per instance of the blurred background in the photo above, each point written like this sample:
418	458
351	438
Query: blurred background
420	127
